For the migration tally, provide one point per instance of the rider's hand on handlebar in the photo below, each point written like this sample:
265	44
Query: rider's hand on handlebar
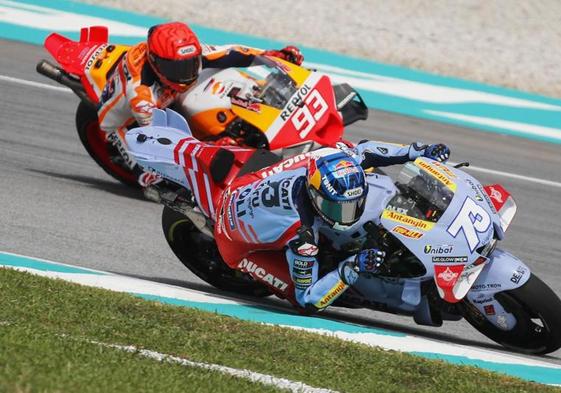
438	152
289	53
369	260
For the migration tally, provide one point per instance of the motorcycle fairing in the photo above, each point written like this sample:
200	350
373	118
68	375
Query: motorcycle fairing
309	114
504	272
503	203
448	255
313	117
91	59
168	148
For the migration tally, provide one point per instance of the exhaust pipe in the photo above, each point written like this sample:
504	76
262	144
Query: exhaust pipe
51	71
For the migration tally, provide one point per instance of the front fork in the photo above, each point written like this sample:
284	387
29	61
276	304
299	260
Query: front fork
503	272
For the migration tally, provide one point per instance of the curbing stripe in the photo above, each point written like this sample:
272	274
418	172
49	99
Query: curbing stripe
522	367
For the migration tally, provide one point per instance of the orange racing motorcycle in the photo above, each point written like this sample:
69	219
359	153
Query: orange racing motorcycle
272	104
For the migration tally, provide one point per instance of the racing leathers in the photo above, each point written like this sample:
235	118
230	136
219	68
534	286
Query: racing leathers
134	90
273	211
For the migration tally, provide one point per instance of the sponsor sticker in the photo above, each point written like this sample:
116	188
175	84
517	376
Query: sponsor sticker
489	309
308	250
447	275
483	300
486	287
354	192
382	150
186	50
495	194
249	105
442	249
518	274
330	296
450	259
403	219
407	232
328	185
295	101
441	177
300	264
250	267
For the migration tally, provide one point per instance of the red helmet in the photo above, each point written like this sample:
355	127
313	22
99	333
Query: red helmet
174	52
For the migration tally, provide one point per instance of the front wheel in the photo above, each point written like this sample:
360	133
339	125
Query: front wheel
199	253
103	153
537	311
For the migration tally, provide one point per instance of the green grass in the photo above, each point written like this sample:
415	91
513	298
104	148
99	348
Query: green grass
34	356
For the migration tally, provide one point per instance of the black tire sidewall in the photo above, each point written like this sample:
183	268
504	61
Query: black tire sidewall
85	115
533	295
175	227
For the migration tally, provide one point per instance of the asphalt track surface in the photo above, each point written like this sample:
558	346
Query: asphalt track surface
57	204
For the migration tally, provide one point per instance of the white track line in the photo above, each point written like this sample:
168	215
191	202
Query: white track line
282	383
512	175
34	84
473	168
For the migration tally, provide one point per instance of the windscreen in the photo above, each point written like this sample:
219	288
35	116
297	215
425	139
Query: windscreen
274	86
420	194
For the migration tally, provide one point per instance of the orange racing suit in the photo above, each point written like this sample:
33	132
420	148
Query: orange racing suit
134	90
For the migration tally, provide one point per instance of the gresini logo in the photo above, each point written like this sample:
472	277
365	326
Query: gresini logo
496	195
447	275
402	218
247	266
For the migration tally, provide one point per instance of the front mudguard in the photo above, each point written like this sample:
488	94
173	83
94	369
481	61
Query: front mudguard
503	272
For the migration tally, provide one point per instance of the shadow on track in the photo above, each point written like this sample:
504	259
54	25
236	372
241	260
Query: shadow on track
111	186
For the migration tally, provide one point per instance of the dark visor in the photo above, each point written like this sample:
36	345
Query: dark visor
178	71
343	212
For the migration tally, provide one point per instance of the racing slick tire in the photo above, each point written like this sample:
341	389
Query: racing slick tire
537	311
199	253
103	153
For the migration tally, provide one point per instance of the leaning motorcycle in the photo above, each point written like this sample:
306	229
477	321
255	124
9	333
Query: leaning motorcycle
439	226
260	106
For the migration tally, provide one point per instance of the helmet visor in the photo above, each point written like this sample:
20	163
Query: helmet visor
183	71
341	212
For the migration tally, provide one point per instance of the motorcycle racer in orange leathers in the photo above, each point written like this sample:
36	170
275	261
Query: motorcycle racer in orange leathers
154	73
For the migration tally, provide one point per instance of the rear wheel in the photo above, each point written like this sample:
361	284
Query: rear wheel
198	252
537	310
103	153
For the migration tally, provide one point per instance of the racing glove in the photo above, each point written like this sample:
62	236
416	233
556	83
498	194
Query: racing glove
369	260
438	152
289	53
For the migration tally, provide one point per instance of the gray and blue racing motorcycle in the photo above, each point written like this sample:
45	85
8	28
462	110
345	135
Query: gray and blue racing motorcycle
439	226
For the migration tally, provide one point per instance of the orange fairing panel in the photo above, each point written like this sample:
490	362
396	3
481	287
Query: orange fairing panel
101	61
211	122
261	117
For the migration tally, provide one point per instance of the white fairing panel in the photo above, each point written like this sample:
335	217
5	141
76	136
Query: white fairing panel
153	146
